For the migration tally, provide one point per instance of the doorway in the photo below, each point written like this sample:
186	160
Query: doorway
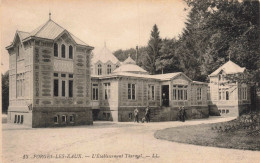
165	95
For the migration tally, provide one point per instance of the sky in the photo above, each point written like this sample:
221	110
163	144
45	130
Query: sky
121	24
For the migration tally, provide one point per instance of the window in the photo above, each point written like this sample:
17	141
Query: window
21	119
18	119
99	69
108	69
94	91
130	115
208	94
227	95
63	88
174	92
63	51
63	75
15	118
63	118
55	50
72	118
185	94
151	92
180	92
219	94
117	66
56	87
244	93
198	93
227	111
223	111
20	86
131	91
107	90
70	52
70	88
70	75
56	119
55	74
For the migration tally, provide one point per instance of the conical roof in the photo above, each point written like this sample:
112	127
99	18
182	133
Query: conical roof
129	60
229	68
129	66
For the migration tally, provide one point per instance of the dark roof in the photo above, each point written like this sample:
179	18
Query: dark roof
50	30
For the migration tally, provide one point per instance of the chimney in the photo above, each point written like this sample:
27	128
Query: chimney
136	60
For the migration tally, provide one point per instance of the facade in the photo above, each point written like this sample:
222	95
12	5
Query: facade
54	81
50	78
115	96
228	98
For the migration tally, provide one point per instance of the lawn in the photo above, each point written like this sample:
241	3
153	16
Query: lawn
241	133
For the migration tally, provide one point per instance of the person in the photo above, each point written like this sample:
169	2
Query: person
180	114
147	114
183	114
136	115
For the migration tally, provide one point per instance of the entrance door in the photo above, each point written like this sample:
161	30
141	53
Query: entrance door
165	95
95	113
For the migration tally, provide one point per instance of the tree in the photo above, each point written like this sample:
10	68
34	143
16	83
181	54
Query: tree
5	92
153	51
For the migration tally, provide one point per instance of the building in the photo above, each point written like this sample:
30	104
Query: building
116	95
55	81
49	77
228	98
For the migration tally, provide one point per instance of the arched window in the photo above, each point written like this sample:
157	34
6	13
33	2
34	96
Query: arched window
108	69
55	50
70	52
63	51
99	69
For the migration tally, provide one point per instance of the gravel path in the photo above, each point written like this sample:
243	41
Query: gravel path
115	142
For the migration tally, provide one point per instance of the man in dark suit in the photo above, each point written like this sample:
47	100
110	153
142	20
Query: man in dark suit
147	114
136	115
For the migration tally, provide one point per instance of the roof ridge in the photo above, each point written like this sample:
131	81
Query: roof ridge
57	24
76	37
22	31
42	27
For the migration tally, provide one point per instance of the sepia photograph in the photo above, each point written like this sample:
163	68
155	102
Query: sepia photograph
98	81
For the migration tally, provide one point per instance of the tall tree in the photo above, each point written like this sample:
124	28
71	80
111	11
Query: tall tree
153	50
5	92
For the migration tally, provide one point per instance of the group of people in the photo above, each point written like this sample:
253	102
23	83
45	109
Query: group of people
182	114
145	118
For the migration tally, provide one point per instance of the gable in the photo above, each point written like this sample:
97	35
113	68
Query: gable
66	37
181	79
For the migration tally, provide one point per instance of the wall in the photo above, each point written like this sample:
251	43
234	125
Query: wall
44	116
141	92
46	64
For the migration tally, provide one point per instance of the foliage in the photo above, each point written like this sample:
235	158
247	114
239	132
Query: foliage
153	51
216	31
5	92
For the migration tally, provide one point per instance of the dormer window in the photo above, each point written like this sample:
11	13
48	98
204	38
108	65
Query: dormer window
55	50
99	69
70	52
108	69
63	51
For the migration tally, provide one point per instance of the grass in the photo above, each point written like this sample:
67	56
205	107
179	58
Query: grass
211	135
